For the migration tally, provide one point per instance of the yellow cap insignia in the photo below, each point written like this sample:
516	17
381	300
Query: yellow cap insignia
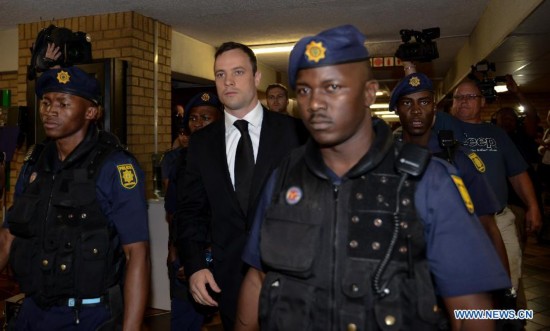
205	97
477	161
63	77
127	174
414	81
315	51
463	193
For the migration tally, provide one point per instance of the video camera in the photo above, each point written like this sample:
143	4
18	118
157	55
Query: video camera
480	74
424	49
75	49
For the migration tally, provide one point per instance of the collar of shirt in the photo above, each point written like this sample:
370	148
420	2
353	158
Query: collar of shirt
254	119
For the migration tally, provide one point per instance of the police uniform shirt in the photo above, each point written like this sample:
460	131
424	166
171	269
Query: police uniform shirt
168	161
462	260
494	147
120	189
472	171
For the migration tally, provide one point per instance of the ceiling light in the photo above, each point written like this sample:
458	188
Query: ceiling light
501	88
380	106
379	93
272	48
521	109
388	115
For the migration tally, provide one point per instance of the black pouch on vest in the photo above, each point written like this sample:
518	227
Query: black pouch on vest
286	312
300	239
21	216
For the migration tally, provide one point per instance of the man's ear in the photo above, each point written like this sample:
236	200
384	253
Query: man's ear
92	112
371	87
257	78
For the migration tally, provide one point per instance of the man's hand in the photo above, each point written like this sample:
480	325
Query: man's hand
52	52
6	238
197	287
533	221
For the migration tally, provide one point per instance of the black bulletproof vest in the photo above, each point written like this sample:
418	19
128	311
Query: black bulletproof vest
64	245
320	252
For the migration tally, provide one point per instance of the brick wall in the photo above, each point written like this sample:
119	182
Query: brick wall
127	36
8	81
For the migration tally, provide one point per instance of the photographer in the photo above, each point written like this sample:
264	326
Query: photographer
57	47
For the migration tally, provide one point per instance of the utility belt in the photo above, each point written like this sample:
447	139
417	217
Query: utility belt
112	294
75	302
112	300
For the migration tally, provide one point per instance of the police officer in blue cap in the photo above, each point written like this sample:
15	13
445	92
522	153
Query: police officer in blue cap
350	235
413	101
78	228
203	109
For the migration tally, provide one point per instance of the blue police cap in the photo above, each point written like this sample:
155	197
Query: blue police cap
338	45
71	80
201	99
410	84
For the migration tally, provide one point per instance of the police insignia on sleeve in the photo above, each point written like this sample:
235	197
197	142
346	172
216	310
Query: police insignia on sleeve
63	77
463	193
29	153
477	161
33	176
293	195
315	51
127	174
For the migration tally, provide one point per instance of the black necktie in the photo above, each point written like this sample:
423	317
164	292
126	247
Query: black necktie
244	164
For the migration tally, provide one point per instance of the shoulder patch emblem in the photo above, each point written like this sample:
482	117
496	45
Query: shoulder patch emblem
463	193
33	176
293	195
127	174
29	153
477	161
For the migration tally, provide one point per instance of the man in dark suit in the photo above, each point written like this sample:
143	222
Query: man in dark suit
210	206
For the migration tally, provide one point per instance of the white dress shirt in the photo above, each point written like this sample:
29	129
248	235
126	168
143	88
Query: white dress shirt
232	135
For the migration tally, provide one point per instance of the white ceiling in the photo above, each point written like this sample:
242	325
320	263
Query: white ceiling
256	22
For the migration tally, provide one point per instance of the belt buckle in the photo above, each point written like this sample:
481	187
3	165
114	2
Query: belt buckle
71	302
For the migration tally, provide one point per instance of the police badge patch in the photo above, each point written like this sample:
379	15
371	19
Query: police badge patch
63	77
293	195
127	174
463	193
315	51
414	81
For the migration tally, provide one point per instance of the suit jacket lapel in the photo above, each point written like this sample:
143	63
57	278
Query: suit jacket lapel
264	160
219	159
